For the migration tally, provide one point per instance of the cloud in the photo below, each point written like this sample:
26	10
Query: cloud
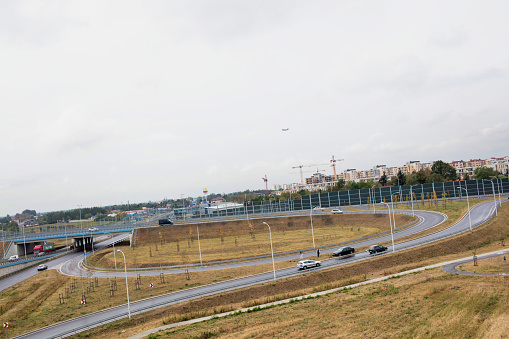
449	38
104	102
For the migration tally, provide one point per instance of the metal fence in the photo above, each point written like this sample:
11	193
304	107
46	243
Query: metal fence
368	196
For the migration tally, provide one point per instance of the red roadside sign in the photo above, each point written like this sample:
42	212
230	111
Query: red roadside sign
151	285
83	302
6	325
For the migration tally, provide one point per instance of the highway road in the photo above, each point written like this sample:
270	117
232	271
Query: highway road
479	214
54	263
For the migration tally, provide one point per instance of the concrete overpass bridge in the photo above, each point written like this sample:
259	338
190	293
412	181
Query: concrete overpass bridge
78	240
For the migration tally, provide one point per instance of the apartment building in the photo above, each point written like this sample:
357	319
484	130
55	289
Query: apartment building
321	181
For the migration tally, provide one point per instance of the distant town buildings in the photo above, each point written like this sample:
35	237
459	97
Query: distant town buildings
320	181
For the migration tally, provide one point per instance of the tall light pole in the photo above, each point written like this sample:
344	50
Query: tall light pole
393	216
312	232
494	196
499	194
272	251
412	199
24	242
126	285
183	215
92	241
83	234
115	256
3	242
199	246
468	204
65	228
390	223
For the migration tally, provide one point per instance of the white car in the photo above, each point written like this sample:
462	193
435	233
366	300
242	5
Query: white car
305	264
318	208
336	211
42	267
13	257
93	229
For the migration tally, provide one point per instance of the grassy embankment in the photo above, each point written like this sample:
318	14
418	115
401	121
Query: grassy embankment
178	244
36	302
431	304
46	309
480	313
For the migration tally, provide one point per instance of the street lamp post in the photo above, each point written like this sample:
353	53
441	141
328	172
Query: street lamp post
393	216
312	232
199	246
272	251
390	223
3	242
115	256
468	205
494	196
412	199
24	242
126	285
83	234
182	198
65	228
499	194
92	241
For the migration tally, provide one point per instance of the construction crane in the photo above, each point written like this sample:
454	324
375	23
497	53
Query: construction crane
301	177
312	165
266	185
333	164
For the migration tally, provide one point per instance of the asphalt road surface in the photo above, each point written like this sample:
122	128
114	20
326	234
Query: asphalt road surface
478	214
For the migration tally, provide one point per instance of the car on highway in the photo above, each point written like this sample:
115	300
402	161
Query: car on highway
165	222
373	249
93	229
336	211
305	264
13	257
42	267
318	208
343	251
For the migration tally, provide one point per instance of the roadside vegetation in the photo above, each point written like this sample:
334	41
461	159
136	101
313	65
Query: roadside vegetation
489	315
430	304
178	244
36	303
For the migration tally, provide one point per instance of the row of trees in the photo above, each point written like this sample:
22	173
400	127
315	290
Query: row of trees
439	172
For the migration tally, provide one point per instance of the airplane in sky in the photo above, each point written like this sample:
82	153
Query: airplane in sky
285	129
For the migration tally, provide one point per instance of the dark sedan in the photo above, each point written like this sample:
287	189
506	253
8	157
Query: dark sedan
343	251
376	249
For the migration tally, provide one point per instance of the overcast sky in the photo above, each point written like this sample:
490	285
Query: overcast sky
102	102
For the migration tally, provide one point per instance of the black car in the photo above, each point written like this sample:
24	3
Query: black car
373	249
342	251
165	222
